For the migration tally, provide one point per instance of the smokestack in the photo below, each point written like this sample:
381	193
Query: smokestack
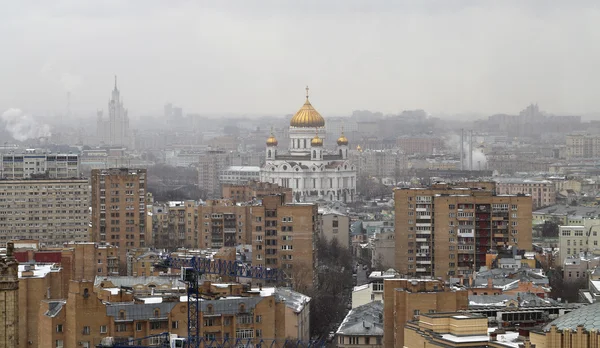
462	141
471	150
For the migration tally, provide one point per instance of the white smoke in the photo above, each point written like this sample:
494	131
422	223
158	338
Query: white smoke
479	159
23	126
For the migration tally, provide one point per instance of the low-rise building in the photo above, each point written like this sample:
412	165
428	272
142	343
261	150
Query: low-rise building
237	175
32	164
543	192
251	190
362	327
335	225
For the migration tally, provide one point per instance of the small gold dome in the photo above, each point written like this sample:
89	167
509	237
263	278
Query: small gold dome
342	140
272	141
358	148
307	116
316	141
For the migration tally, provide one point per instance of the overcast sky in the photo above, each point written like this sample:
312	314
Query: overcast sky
256	57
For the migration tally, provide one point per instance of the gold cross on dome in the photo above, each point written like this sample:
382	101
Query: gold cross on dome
307	92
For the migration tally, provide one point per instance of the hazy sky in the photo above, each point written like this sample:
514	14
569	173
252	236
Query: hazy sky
257	56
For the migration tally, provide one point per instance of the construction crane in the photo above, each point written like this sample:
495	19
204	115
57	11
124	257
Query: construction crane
191	271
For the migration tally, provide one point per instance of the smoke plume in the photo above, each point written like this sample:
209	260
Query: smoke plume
23	126
479	159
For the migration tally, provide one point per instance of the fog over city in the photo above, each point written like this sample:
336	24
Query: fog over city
255	57
299	173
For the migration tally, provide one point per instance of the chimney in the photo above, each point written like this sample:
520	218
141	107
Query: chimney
490	283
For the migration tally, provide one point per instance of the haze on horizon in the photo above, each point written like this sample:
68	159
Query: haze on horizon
256	57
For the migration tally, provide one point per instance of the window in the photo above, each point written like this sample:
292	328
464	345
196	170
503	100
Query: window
155	325
59	328
121	327
259	318
85	344
175	324
86	330
353	339
209	322
103	329
367	340
259	333
416	312
244	319
138	326
59	344
244	333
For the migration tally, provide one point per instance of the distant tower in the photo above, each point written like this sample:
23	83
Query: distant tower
9	299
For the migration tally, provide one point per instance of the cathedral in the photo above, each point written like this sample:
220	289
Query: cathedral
312	173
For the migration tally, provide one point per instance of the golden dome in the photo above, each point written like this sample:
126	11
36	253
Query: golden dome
342	140
358	148
272	141
307	116
316	141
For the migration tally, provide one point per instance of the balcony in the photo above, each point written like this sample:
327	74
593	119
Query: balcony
428	224
420	269
422	240
424	262
229	230
422	209
422	254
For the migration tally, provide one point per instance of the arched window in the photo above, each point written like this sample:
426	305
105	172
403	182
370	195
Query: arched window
242	308
269	153
314	153
305	143
209	309
341	153
156	312
122	315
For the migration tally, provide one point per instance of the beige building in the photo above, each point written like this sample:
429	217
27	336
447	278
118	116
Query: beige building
458	329
542	192
9	299
255	190
90	313
119	209
53	211
223	223
209	167
463	223
31	164
407	299
575	240
583	145
383	250
175	224
335	225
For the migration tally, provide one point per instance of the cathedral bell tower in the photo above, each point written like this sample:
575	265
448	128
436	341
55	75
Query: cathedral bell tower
271	146
9	298
342	143
316	147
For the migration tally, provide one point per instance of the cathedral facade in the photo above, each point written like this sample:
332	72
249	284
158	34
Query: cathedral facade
312	173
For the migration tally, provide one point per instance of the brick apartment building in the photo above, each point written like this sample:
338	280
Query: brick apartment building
406	299
255	190
445	231
119	209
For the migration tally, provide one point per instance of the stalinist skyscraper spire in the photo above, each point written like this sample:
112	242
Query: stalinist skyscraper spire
115	130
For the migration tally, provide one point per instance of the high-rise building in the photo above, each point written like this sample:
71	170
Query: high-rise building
446	231
53	211
175	224
115	130
31	164
223	223
9	299
119	209
284	237
310	171
209	167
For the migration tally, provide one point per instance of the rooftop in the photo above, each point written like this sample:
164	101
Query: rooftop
363	320
588	317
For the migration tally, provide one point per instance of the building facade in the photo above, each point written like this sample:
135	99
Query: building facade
53	211
306	168
26	165
119	209
238	175
407	299
543	192
255	190
175	224
209	167
463	223
422	145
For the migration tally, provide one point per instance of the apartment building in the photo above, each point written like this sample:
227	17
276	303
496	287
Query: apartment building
284	236
210	165
335	225
577	240
424	145
542	192
583	145
53	211
91	313
223	223
444	230
31	164
175	224
407	299
119	209
255	190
